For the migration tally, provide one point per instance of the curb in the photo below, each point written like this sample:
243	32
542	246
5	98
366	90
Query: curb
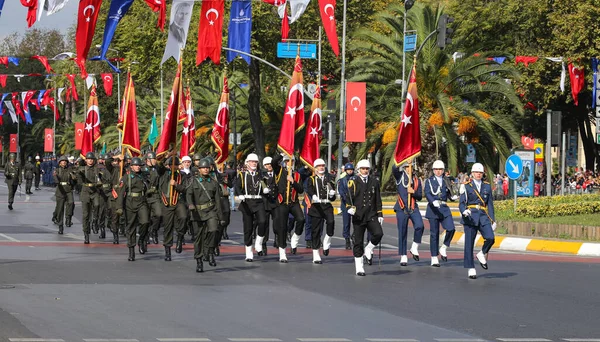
390	212
535	245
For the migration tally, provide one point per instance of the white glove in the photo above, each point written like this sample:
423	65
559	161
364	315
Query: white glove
494	226
454	198
467	212
351	211
315	199
380	219
241	198
266	191
436	203
331	193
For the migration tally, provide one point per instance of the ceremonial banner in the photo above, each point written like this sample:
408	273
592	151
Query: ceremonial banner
175	110
293	118
356	111
312	138
48	140
118	8
56	5
220	132
31	6
210	31
91	132
408	145
240	29
181	13
128	120
14	140
78	135
327	9
159	6
87	16
188	136
107	81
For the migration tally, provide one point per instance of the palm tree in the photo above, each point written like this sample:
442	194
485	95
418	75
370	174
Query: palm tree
461	100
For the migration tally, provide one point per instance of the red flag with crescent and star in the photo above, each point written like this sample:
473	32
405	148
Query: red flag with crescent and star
210	31
188	136
327	8
13	143
408	145
71	78
175	110
44	61
128	120
91	131
17	104
293	117
31	11
48	140
220	132
314	133
356	111
78	135
107	81
87	15
159	6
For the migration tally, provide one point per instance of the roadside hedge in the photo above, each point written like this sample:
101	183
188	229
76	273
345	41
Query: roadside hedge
551	206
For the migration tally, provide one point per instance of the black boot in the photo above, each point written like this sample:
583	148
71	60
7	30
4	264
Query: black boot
60	229
155	237
264	248
142	246
54	220
122	231
95	227
131	254
115	238
348	244
179	245
102	233
217	251
211	260
86	238
10	206
199	265
68	222
309	244
225	236
167	253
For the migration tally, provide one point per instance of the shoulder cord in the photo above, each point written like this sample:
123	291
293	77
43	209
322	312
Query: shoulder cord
435	193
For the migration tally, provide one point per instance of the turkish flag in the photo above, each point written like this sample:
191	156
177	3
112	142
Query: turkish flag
293	117
46	98
528	142
312	140
274	2
13	143
91	131
17	104
107	81
285	24
159	6
408	145
327	8
128	120
4	60
48	140
220	132
3	80
188	137
71	78
175	110
44	61
87	15
210	31
54	108
356	111
31	11
78	135
577	77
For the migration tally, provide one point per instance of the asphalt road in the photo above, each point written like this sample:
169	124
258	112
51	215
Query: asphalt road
54	288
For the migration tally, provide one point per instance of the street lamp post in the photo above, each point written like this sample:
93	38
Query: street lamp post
342	94
54	115
118	86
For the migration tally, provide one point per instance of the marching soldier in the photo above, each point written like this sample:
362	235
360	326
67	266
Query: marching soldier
289	187
406	210
270	202
248	189
28	169
225	183
171	189
477	208
106	189
115	177
343	191
132	194
438	193
321	190
89	178
150	172
364	205
13	178
204	201
37	172
64	179
196	163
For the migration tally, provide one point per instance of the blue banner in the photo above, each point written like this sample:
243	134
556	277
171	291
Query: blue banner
1	5
39	99
118	8
595	81
2	101
14	60
240	29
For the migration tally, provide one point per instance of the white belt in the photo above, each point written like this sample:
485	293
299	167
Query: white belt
253	196
322	201
443	202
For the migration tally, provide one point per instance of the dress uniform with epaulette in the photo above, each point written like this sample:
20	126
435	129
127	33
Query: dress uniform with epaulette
132	195
249	189
64	179
288	188
408	210
477	208
321	190
12	178
171	190
204	201
151	174
103	194
364	205
89	178
271	203
438	193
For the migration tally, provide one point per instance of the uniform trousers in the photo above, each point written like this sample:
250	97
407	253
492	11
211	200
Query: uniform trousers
360	226
402	221
434	231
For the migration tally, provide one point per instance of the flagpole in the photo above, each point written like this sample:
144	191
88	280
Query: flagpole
18	138
162	98
342	92
119	97
54	119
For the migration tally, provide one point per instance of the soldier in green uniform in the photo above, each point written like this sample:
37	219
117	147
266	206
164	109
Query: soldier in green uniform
101	215
174	213
89	178
203	199
64	179
224	184
13	178
132	194
28	169
115	176
150	172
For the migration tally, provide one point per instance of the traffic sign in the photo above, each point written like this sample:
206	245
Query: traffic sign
410	42
513	167
291	50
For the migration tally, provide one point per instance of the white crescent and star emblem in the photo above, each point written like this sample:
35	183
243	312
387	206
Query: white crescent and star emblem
108	78
79	131
300	88
212	10
13	140
412	101
406	120
49	136
95	109
356	98
90	7
331	17
317	112
222	105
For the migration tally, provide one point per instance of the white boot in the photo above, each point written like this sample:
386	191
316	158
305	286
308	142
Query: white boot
369	253
316	257
282	256
360	270
249	254
414	250
472	273
403	260
258	244
294	242
482	261
326	244
435	262
443	252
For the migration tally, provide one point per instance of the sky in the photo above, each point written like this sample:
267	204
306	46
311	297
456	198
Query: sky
14	14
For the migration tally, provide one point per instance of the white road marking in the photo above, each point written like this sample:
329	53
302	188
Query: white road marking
391	340
324	339
109	340
518	339
250	339
459	340
35	340
9	238
183	339
582	339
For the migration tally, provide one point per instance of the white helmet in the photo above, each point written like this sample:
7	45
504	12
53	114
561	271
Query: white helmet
267	161
438	164
477	167
252	157
318	162
37	157
363	164
186	158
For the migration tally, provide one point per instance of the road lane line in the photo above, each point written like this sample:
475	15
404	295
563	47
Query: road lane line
109	340
254	339
582	339
35	340
459	340
192	339
519	339
391	340
9	238
324	339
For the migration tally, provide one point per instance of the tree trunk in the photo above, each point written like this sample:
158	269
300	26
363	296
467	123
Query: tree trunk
258	131
588	138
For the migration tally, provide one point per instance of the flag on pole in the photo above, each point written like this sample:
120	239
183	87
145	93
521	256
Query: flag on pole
312	139
153	131
1	5
56	5
118	8
31	11
17	104
175	110
188	138
181	13
87	16
356	111
11	111
71	78
48	140
78	135
408	145
14	141
159	6
327	9
220	132
210	31
107	81
91	132
293	118
128	120
27	96
103	148
240	29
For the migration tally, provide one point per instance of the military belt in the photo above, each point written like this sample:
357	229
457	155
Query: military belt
64	183
322	201
443	203
253	196
106	185
89	185
136	194
205	206
478	207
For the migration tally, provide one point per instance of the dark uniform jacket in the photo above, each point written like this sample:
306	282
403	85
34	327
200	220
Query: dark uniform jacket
281	174
203	198
132	189
320	188
365	197
89	178
29	170
64	178
12	173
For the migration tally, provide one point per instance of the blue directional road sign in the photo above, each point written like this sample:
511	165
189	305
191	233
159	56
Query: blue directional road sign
410	42
514	167
290	50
